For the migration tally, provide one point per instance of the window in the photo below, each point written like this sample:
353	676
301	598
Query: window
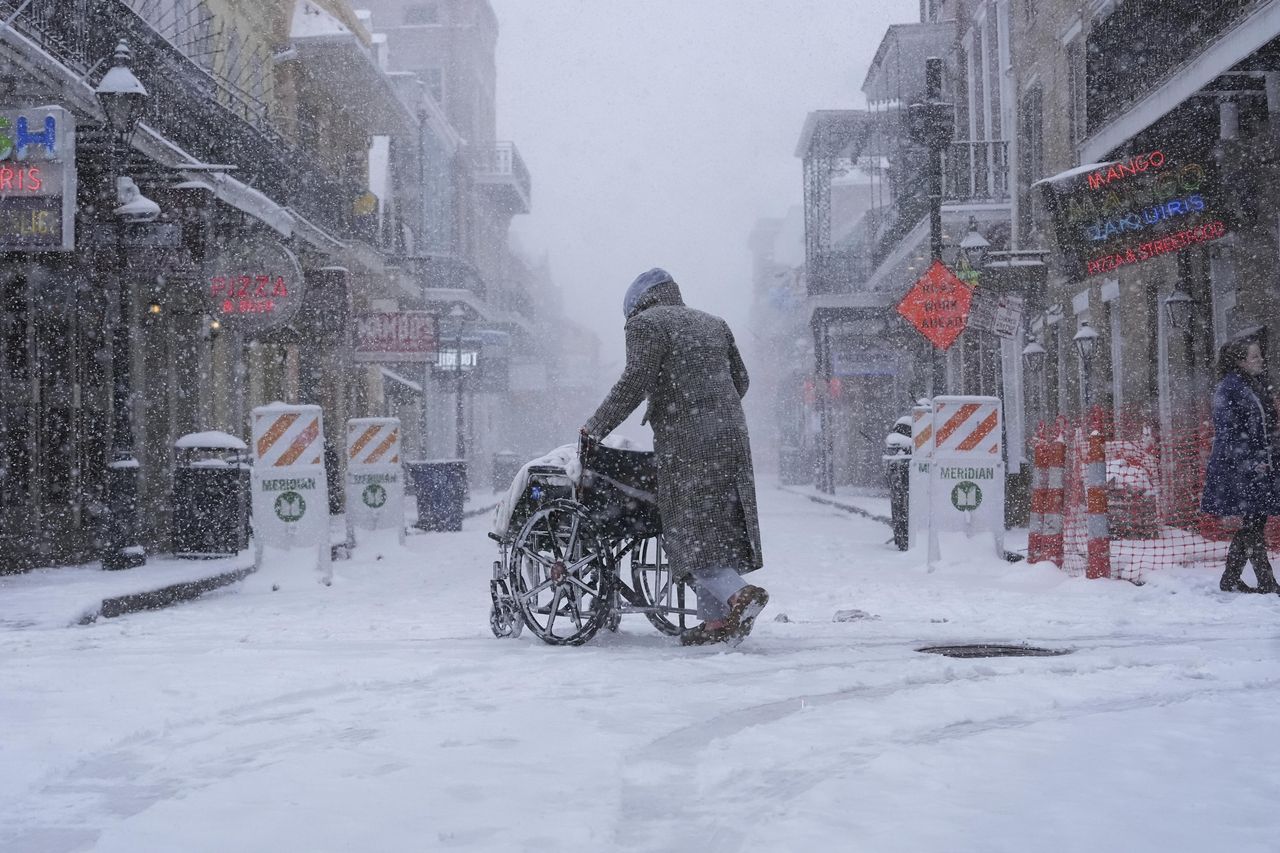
422	13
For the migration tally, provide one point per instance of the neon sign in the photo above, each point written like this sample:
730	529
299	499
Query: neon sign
37	180
1155	248
1131	211
396	336
253	283
248	294
1119	171
23	179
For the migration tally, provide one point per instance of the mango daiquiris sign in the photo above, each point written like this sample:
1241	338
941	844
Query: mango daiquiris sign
37	179
1111	215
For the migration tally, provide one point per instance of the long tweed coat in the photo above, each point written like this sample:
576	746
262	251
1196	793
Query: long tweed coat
687	365
1241	477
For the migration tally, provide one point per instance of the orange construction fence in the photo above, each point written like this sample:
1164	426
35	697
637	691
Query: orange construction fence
1112	497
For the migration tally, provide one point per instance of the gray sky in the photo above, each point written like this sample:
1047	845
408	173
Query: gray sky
658	131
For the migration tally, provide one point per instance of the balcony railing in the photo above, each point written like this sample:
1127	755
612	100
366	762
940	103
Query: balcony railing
976	171
837	272
1144	42
502	165
200	112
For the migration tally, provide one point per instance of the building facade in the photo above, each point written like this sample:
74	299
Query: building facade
1043	95
282	143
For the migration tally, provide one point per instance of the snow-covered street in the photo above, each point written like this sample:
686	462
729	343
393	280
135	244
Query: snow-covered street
380	714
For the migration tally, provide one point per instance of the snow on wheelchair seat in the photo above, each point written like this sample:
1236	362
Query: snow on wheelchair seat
564	457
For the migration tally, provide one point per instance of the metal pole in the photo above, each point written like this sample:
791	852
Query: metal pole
933	95
461	446
122	549
938	141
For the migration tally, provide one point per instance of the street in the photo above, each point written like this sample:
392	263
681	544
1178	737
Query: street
380	714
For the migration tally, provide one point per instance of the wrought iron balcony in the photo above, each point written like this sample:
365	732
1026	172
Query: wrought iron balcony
202	113
976	171
502	169
837	272
1143	43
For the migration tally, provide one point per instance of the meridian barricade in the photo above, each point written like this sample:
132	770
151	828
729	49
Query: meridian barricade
918	480
290	492
967	474
375	477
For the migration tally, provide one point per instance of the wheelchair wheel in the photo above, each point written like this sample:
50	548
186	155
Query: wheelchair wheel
560	577
670	598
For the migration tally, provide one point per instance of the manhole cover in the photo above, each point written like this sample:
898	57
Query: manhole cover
992	650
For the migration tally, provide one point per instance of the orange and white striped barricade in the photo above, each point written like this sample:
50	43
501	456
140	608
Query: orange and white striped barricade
375	479
1048	500
290	493
1098	564
968	471
1039	475
918	480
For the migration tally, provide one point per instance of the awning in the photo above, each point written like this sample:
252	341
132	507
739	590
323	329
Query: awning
415	387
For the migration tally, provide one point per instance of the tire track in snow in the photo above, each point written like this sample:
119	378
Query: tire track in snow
675	757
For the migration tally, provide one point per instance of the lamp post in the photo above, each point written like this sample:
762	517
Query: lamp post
459	315
974	246
122	97
1034	356
1086	340
1180	307
931	123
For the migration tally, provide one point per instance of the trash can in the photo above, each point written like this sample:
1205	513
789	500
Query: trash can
505	466
441	489
210	495
897	468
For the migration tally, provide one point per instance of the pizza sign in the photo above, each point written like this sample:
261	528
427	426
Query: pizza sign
254	284
248	294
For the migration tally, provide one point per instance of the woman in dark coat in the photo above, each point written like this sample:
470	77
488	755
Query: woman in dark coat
1241	478
685	363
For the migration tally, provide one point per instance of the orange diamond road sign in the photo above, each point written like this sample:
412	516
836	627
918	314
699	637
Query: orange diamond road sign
938	305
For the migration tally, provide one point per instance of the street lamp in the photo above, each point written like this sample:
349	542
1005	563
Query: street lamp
974	246
1086	340
1033	355
1180	308
459	318
122	98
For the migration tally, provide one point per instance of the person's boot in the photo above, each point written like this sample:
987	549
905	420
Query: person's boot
744	606
705	634
1262	570
1237	556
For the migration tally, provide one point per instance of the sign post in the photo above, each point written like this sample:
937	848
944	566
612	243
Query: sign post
375	480
918	504
967	474
290	492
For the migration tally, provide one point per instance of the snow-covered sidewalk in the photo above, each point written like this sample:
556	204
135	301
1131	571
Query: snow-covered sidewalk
379	714
57	598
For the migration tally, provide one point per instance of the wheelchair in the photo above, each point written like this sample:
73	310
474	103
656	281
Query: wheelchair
578	554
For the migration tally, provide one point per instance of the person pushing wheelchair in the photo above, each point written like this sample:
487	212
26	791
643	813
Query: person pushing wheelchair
686	364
